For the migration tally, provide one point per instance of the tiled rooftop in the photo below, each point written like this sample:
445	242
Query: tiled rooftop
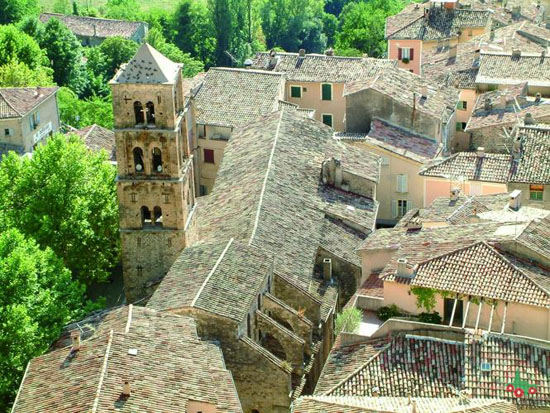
491	167
351	404
504	68
233	97
536	236
95	27
222	278
480	270
97	137
406	88
422	365
322	68
268	196
439	24
395	139
17	102
129	344
148	66
534	162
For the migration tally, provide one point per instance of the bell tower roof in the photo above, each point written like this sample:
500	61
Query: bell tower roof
148	66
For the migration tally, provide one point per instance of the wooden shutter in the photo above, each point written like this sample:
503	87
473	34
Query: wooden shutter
411	54
394	208
399	53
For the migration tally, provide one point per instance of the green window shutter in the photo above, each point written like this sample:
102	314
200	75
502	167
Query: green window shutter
326	89
295	91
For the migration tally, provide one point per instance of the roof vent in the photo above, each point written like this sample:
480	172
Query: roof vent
485	366
302	52
515	200
75	338
455	192
516	52
247	63
528	119
480	152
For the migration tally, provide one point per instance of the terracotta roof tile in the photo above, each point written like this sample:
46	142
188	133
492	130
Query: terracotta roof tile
491	167
234	97
95	27
322	68
504	68
97	137
17	102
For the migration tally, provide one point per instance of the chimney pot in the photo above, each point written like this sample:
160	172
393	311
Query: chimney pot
75	338
302	52
516	52
455	192
126	388
327	269
480	152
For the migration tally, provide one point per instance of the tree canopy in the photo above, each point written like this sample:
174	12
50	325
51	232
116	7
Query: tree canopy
18	46
65	198
11	11
37	298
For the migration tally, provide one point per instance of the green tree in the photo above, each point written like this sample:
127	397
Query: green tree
362	25
191	66
105	59
192	30
11	11
18	74
334	7
32	26
18	46
65	54
84	112
37	298
65	198
122	9
61	6
348	321
222	21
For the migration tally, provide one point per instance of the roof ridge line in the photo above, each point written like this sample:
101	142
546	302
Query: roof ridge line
9	104
103	371
129	322
20	386
219	260
270	162
453	252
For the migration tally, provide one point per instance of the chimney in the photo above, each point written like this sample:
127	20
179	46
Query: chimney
327	269
487	105
302	52
515	200
75	338
516	53
329	52
247	64
272	60
402	270
480	152
126	389
453	51
424	92
528	119
365	56
538	98
413	407
477	55
455	192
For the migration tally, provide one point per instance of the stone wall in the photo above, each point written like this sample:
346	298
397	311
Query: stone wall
300	300
300	325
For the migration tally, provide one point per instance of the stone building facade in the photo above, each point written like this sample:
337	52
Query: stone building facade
155	181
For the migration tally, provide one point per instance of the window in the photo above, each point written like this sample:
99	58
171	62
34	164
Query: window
296	92
157	160
327	119
460	126
8	132
167	198
384	160
326	91
248	326
145	216
158	99
134	197
208	155
536	192
402	183
157	213
202	190
150	112
462	105
138	112
138	159
400	207
405	54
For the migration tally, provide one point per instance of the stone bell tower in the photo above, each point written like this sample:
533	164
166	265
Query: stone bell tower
155	183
